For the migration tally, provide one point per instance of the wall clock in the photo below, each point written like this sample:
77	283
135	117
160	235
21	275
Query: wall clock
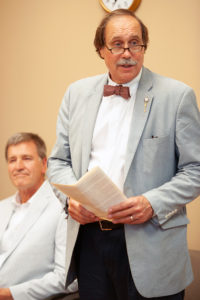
110	5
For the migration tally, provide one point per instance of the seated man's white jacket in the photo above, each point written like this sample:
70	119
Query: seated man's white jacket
35	266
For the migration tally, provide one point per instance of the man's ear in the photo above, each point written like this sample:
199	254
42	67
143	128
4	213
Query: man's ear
101	53
44	162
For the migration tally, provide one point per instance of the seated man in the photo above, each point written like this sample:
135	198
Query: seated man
32	226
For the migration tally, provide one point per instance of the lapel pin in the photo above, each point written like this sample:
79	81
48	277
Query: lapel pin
146	100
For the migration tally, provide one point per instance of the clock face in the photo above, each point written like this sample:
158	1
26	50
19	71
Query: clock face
110	5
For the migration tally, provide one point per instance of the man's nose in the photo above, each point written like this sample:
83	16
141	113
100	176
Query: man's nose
19	164
127	53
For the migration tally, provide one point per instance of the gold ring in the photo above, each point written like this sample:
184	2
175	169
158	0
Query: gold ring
131	217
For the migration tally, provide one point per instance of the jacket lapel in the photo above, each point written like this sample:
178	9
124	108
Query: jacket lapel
5	214
139	118
39	202
141	111
92	107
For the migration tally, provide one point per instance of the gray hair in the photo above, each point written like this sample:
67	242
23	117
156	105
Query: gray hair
21	137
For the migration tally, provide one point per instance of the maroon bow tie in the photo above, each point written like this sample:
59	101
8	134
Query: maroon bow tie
119	90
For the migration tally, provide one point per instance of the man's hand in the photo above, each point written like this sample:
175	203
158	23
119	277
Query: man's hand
5	294
134	210
80	214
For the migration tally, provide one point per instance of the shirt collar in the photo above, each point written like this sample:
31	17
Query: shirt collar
16	201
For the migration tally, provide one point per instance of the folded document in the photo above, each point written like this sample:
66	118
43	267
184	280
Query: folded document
95	191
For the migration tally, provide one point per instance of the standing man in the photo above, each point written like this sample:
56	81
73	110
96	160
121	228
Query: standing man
32	226
146	137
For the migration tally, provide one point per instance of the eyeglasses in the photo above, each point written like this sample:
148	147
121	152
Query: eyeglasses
132	49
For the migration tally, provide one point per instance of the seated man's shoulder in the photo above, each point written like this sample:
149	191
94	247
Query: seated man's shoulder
50	193
6	201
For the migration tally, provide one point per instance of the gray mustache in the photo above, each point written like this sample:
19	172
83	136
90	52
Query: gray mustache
124	61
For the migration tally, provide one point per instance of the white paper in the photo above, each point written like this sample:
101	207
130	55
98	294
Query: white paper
95	191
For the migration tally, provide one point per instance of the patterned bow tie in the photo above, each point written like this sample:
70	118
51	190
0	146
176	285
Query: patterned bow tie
119	90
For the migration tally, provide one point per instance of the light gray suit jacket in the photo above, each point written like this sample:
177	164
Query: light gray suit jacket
162	163
34	268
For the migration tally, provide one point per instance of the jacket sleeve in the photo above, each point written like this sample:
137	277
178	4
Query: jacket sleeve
59	163
169	199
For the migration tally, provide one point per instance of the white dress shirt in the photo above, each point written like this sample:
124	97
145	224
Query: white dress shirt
111	132
8	238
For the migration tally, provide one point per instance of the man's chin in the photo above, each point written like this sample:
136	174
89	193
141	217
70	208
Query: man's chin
20	184
127	77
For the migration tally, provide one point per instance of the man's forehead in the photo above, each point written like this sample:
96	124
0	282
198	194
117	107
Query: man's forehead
120	25
22	148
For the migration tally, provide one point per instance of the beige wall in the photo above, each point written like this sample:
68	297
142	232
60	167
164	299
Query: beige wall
47	44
